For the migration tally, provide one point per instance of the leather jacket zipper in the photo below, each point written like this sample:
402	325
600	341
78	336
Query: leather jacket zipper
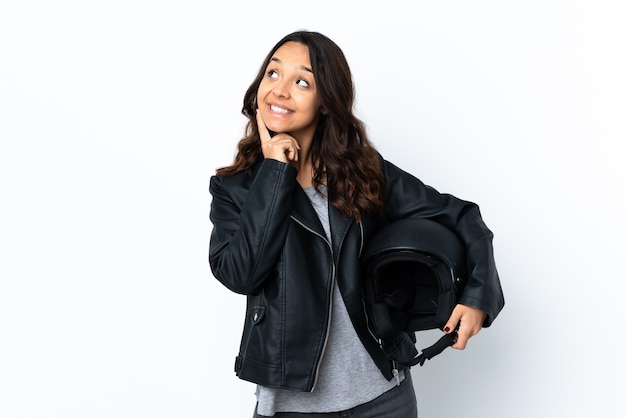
379	341
394	368
394	371
362	239
330	296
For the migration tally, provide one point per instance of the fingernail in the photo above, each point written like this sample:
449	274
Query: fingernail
446	329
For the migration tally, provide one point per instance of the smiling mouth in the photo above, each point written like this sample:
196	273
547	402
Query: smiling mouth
280	110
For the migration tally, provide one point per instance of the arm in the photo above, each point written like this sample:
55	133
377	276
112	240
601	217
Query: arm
250	225
482	298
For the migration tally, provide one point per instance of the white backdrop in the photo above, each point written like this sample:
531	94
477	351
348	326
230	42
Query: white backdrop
113	116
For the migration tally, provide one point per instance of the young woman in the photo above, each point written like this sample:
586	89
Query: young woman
290	217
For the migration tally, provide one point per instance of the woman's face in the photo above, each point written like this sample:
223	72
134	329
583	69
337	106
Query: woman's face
287	96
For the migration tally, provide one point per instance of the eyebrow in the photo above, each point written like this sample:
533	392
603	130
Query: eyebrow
302	67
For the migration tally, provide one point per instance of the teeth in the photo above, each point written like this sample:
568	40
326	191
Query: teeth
279	110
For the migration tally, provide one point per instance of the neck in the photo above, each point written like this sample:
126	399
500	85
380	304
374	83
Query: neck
305	172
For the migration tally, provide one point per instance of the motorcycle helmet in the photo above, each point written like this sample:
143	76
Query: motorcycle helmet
413	273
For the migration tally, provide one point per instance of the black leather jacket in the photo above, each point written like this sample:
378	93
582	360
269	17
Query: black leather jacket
268	243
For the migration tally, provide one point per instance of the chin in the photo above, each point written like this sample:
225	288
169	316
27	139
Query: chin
275	128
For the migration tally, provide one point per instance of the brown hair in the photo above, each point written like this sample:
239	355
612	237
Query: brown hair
340	151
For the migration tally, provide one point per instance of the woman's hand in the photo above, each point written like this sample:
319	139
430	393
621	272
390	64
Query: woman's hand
470	320
281	147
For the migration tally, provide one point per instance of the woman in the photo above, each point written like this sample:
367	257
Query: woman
290	216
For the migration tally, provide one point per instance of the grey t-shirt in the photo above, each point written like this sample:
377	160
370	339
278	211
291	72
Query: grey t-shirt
347	376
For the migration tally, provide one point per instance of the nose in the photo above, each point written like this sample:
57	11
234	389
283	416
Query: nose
281	89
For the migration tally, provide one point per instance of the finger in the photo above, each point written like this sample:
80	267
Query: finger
282	147
461	341
263	131
292	155
289	146
293	151
453	322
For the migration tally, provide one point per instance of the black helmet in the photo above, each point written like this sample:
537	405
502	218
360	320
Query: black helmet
414	271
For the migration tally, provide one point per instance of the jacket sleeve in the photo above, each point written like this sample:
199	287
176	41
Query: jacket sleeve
406	196
250	226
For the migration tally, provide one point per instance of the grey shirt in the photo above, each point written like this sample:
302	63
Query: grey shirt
347	376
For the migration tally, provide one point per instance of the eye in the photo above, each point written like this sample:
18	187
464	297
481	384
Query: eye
302	83
272	74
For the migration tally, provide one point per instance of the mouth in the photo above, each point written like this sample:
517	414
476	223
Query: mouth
280	110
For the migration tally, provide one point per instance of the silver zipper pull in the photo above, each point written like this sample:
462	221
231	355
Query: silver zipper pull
395	373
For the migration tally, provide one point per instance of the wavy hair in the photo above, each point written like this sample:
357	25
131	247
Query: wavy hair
341	152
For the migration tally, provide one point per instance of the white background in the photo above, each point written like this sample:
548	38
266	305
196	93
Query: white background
113	116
